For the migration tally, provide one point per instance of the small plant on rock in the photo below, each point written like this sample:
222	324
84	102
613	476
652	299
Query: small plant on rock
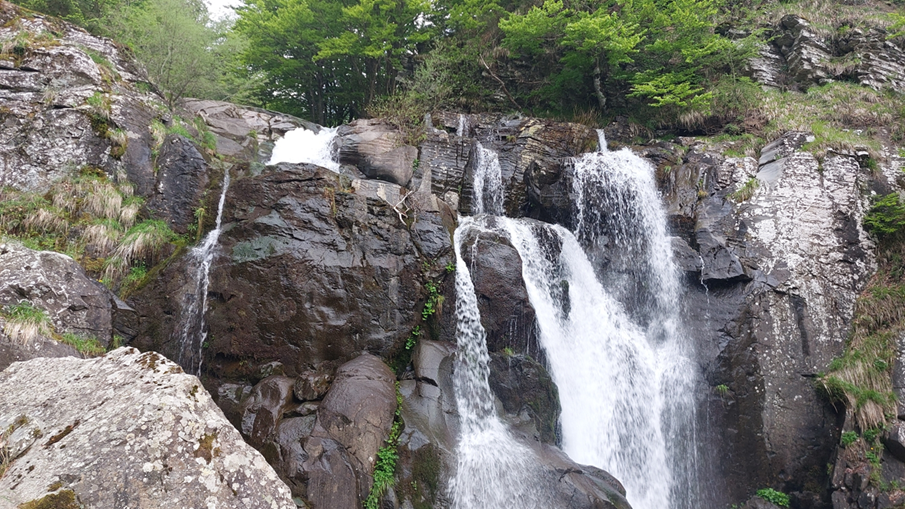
774	497
88	346
848	438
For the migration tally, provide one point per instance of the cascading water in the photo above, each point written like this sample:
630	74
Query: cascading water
606	303
462	127
192	331
611	331
488	183
493	471
305	146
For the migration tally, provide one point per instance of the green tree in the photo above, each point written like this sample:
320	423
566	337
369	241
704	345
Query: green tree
175	42
662	51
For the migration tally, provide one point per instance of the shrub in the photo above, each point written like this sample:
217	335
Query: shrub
886	217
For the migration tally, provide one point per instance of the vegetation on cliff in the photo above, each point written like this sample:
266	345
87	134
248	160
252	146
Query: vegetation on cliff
862	377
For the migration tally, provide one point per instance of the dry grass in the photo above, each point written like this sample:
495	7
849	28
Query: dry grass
103	201
102	237
143	242
862	377
47	220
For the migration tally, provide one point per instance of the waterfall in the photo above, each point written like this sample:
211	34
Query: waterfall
493	471
305	146
462	127
612	335
487	188
606	297
193	333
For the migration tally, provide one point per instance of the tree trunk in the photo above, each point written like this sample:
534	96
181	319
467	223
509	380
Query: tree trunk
598	86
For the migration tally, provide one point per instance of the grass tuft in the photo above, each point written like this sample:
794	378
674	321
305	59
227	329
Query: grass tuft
25	322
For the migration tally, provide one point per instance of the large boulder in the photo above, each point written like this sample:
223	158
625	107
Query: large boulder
378	150
506	314
126	429
56	284
308	269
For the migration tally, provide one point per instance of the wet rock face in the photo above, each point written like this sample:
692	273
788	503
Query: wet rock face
528	392
775	284
58	285
307	271
315	271
142	434
506	314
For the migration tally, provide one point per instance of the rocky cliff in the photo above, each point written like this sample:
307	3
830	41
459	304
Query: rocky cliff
330	330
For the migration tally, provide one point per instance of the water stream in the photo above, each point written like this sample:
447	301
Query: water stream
192	332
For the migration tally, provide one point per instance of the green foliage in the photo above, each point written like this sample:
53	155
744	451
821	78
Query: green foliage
181	49
385	466
433	300
413	338
774	497
86	345
848	438
886	217
871	434
25	311
327	60
662	50
722	389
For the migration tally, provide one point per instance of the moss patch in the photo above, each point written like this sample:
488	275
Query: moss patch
64	499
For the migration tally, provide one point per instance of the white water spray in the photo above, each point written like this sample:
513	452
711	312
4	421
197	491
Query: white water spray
462	127
193	334
304	146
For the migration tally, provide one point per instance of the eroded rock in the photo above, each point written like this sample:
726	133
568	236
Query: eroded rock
126	429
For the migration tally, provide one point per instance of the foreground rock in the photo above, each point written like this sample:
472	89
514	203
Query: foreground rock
125	430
